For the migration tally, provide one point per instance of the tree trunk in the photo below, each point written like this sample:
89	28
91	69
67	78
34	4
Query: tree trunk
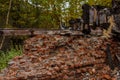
7	19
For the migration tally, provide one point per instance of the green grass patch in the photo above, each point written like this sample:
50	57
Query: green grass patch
5	57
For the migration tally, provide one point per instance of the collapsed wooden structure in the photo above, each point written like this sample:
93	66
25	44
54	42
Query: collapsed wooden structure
73	54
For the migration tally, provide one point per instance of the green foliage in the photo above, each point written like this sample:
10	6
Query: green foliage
43	13
5	57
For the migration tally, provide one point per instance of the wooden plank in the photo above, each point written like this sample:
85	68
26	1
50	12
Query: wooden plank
24	31
27	31
118	57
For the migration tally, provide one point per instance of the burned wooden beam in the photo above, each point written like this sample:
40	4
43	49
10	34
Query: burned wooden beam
109	57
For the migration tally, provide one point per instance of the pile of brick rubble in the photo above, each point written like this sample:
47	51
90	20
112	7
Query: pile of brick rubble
55	57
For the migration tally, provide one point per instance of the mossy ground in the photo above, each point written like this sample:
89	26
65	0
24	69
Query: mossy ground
5	57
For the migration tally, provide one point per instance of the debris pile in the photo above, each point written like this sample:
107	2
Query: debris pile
55	57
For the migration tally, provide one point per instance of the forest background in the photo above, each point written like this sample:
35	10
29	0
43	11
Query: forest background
45	14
